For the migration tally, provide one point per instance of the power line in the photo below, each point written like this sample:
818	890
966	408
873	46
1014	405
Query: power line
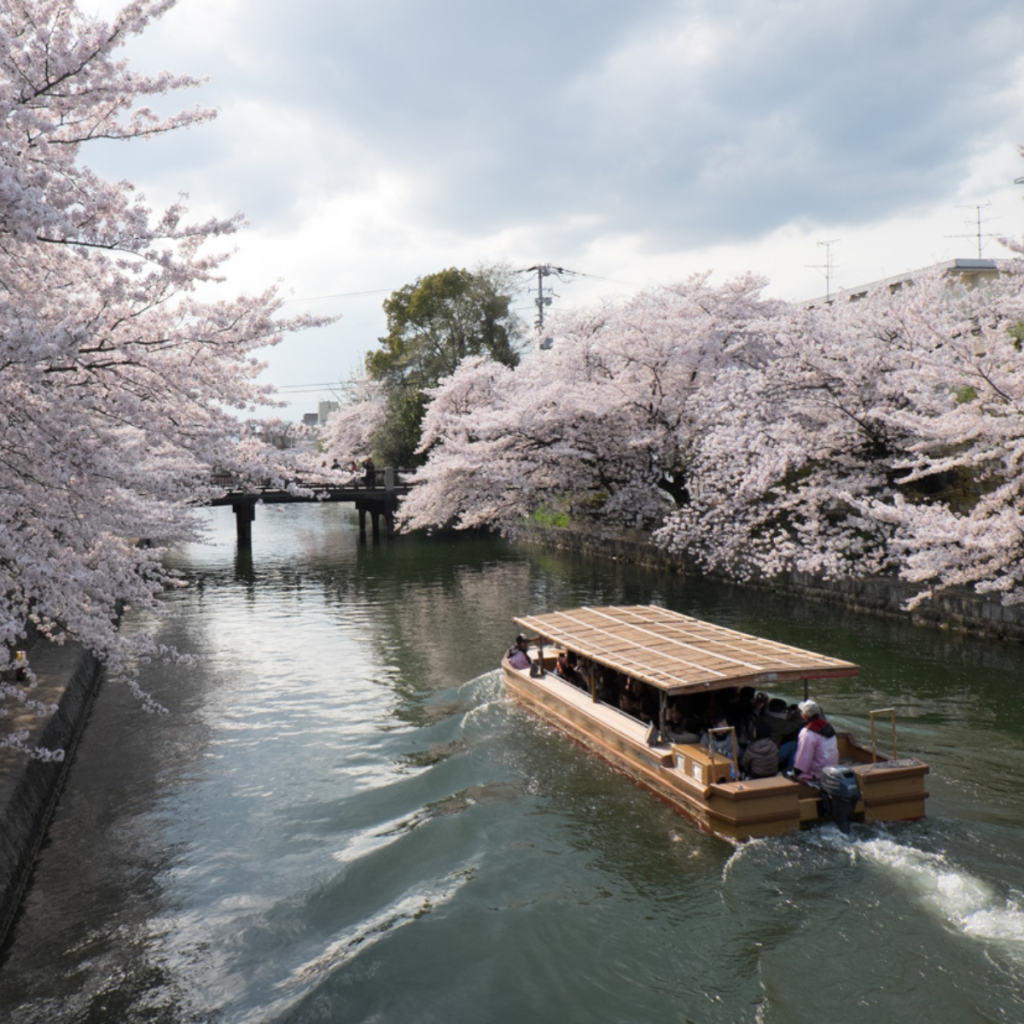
610	280
340	295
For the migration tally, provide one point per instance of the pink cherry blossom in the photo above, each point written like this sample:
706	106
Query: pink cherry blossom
119	386
878	436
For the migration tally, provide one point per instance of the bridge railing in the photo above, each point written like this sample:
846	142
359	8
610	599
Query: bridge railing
336	478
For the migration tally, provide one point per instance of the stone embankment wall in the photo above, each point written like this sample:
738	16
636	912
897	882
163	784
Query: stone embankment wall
67	676
957	609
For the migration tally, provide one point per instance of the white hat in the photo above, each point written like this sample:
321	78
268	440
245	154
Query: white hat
809	709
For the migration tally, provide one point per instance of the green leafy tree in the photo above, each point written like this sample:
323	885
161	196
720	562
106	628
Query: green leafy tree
433	324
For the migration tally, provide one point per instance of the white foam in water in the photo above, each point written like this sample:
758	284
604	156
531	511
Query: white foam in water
750	848
486	688
963	900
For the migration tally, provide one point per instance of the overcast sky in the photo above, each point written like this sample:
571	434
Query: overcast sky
372	143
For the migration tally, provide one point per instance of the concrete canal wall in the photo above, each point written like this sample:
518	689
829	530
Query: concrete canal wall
68	676
956	609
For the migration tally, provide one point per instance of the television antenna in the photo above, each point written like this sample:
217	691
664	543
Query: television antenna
828	266
977	234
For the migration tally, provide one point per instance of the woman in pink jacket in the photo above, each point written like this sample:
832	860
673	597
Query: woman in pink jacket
816	747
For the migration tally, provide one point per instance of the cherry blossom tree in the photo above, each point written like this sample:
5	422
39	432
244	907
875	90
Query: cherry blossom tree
347	435
963	522
117	382
599	426
882	437
784	447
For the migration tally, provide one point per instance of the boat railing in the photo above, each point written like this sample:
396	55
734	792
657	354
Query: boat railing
891	712
718	729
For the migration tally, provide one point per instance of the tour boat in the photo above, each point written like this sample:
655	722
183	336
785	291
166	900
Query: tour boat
668	658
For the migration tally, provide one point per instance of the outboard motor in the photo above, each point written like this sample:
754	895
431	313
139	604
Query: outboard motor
840	792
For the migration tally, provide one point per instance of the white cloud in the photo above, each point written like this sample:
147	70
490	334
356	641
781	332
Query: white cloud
369	144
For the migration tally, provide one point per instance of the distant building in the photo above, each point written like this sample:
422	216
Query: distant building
325	410
310	419
970	272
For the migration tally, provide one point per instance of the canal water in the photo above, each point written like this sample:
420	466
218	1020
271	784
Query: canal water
342	818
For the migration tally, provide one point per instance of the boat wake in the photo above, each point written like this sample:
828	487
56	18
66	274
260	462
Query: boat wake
962	900
965	901
356	940
483	695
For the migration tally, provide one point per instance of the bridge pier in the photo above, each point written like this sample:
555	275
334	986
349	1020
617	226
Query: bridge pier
390	507
245	513
374	519
377	509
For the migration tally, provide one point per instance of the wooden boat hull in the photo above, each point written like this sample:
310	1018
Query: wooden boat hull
699	785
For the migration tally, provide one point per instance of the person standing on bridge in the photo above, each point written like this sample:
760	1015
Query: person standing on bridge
369	476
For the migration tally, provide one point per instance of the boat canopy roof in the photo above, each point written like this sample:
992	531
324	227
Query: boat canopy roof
677	653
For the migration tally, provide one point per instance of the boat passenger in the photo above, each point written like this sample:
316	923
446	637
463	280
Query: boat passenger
628	700
719	710
719	742
817	747
605	686
517	656
636	701
695	707
589	673
744	716
761	758
680	730
777	718
565	668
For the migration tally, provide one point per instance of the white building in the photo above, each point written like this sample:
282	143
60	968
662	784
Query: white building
970	272
324	410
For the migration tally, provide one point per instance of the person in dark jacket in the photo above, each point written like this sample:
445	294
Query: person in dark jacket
761	758
517	656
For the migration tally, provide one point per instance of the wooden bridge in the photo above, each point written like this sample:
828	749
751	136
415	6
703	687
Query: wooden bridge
379	498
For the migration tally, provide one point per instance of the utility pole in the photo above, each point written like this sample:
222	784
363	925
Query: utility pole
828	266
543	270
1018	181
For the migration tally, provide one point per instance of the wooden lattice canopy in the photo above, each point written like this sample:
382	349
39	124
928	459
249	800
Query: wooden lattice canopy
677	653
